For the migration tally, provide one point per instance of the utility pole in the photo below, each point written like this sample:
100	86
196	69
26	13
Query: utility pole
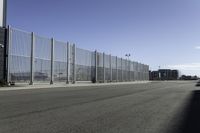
3	13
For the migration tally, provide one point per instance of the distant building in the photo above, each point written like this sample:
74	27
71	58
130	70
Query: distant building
186	77
153	75
164	74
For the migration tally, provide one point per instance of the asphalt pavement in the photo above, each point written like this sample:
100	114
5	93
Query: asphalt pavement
156	107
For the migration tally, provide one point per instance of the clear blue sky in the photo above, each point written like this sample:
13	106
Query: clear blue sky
162	33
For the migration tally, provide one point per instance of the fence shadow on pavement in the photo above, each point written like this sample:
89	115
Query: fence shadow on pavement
190	116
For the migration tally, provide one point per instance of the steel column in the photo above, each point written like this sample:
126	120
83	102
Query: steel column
32	58
4	13
68	63
104	70
110	68
74	64
52	61
9	43
116	69
122	69
96	76
129	70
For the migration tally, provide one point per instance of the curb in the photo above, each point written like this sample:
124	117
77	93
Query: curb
43	86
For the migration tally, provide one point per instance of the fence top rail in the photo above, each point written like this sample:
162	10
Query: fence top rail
20	30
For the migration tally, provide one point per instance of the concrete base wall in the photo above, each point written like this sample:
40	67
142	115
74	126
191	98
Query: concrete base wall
2	53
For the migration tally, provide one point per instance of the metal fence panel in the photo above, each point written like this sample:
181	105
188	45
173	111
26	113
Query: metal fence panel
84	66
42	59
139	74
131	71
100	69
125	70
60	61
107	67
114	68
119	66
19	53
136	71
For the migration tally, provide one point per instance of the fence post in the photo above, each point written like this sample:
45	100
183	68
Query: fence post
110	68
137	71
142	72
74	63
129	70
148	73
32	58
52	61
133	71
68	63
104	70
122	69
96	76
126	64
9	42
116	69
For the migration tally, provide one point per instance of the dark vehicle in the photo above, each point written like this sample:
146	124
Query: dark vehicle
198	83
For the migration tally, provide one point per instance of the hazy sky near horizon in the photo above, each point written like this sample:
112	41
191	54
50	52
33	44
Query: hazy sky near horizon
163	33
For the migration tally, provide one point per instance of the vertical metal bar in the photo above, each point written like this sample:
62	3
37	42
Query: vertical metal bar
139	72
130	70
133	71
122	69
4	13
142	72
52	61
96	76
104	70
9	43
147	73
68	63
126	64
136	71
74	63
110	68
116	69
32	59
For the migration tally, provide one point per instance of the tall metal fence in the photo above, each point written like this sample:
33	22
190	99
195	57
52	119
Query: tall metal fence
33	59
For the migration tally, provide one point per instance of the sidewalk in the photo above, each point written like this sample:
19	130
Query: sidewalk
61	85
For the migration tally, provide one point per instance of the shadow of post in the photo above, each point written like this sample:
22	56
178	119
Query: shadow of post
190	118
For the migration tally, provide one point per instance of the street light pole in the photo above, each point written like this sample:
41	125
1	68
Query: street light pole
3	13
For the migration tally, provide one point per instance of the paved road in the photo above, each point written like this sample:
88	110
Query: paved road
158	107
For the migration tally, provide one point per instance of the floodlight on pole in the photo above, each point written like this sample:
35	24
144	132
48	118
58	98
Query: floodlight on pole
128	55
